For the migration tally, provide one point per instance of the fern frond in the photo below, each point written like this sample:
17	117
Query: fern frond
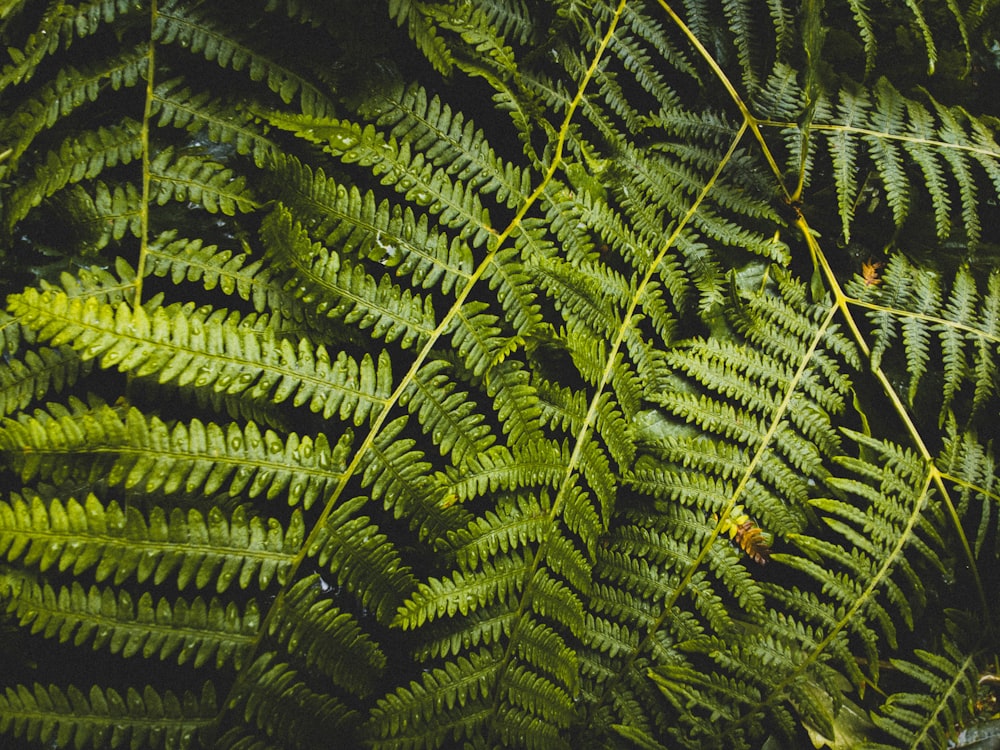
463	593
422	32
397	475
328	639
408	717
363	560
145	452
216	268
886	511
456	204
898	131
554	600
356	222
106	215
541	646
197	630
497	468
515	402
911	304
69	90
645	586
123	543
972	466
77	158
539	712
209	349
104	717
447	415
39	372
196	31
185	178
451	142
581	296
175	104
514	285
345	290
947	680
843	152
511	524
57	30
630	48
477	338
281	701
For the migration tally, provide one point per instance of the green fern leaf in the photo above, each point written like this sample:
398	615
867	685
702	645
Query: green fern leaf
515	401
356	222
174	103
138	451
68	90
497	468
397	475
189	178
911	299
195	30
947	680
545	709
277	699
853	108
897	132
328	639
195	630
345	290
193	260
964	455
77	158
209	350
455	204
478	339
422	32
513	281
363	560
107	215
121	543
449	141
961	306
463	593
446	414
57	31
107	718
406	718
39	372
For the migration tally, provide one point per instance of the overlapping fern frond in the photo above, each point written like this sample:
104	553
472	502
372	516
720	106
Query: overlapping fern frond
419	375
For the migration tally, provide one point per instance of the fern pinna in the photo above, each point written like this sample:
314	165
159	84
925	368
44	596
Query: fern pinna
441	375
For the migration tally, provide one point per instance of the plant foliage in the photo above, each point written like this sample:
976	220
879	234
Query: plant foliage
500	374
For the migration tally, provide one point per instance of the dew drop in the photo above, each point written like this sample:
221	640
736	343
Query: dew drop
205	376
342	139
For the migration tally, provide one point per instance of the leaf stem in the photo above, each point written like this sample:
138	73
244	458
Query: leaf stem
146	171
